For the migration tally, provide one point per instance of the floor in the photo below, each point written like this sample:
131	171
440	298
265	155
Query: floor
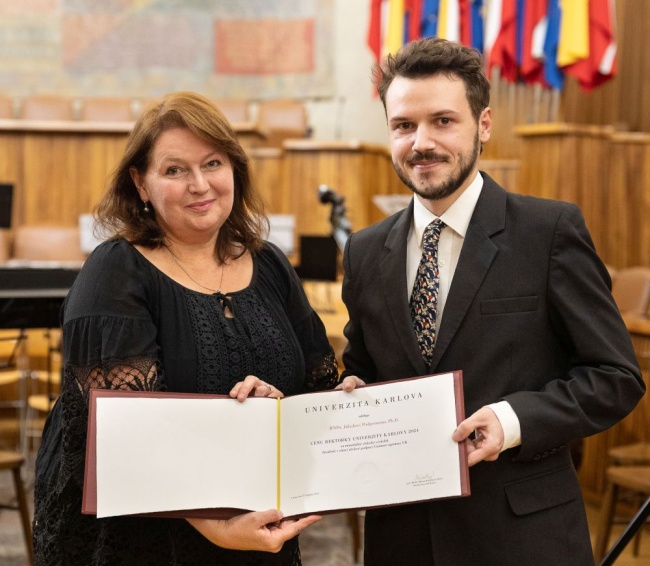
328	543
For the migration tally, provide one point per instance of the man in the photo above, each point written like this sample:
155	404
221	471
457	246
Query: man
522	307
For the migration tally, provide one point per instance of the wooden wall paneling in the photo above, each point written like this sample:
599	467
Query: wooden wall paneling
306	167
354	170
266	166
620	206
51	178
628	201
570	163
101	154
503	171
11	158
544	163
592	170
66	174
383	180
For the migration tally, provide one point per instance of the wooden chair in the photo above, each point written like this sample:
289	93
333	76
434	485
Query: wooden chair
107	109
631	290
44	355
13	384
282	119
235	110
6	108
44	107
140	105
14	461
633	478
48	243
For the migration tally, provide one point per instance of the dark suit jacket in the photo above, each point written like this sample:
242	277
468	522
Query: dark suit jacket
529	319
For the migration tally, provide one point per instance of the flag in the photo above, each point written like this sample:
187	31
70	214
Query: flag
601	64
503	52
395	33
374	29
449	20
429	22
465	20
574	32
553	75
493	11
476	17
412	19
534	28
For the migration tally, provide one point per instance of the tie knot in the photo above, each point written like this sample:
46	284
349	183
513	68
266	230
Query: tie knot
432	234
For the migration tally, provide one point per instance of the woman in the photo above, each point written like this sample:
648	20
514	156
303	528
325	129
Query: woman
185	297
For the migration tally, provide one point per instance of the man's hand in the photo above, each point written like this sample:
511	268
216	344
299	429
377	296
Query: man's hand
489	436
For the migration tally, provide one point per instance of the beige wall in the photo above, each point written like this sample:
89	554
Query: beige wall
356	113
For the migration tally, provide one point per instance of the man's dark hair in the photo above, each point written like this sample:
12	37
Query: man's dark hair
433	56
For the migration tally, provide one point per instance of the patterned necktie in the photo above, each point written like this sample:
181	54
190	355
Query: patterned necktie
424	299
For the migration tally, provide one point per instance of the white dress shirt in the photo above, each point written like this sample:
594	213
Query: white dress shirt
456	219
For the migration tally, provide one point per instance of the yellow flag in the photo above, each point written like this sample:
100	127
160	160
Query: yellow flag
395	35
574	32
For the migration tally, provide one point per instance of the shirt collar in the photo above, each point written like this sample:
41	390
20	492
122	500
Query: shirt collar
457	216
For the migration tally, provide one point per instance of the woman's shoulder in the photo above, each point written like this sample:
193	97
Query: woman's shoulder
112	272
116	257
272	260
113	251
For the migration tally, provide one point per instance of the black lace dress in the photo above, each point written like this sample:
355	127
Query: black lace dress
126	325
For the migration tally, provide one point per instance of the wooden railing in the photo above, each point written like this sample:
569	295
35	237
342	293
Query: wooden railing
606	173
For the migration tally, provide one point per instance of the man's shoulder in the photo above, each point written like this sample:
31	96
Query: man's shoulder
535	207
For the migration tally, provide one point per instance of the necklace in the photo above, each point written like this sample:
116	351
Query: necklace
177	261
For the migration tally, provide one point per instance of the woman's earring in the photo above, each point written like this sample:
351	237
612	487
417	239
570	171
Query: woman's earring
146	207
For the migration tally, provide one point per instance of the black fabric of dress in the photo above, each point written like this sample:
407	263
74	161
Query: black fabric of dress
126	325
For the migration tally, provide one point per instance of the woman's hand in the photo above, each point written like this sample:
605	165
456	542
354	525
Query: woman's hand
350	383
260	530
254	387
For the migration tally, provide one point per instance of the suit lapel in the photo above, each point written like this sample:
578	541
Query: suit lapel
475	259
393	274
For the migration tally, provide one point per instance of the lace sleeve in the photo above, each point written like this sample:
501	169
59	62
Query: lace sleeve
135	374
322	373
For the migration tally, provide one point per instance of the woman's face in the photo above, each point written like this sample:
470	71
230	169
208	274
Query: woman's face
189	184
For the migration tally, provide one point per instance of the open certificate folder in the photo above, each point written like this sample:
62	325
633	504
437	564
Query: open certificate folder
199	455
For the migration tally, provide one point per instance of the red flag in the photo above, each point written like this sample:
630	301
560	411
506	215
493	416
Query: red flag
374	29
504	51
532	69
465	22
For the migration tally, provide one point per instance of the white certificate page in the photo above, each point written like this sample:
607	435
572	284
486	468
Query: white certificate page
158	454
377	445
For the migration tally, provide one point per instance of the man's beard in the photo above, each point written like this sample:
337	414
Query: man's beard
445	188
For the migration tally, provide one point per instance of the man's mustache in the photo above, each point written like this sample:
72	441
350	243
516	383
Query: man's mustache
417	157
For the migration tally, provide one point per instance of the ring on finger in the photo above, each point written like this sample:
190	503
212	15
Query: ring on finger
269	387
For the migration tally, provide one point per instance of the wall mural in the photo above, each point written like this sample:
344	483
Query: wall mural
222	48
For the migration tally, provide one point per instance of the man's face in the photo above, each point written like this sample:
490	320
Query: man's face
434	139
